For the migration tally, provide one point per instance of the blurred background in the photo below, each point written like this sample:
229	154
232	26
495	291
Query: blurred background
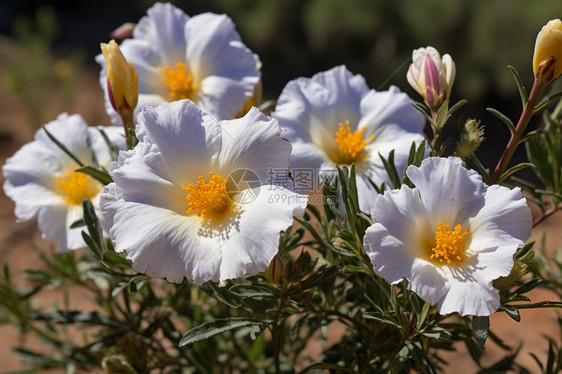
47	66
47	49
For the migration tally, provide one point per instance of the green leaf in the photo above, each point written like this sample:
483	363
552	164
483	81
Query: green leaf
520	86
78	223
423	110
97	174
62	147
457	106
504	119
442	115
480	326
391	169
113	148
528	286
514	169
115	259
326	366
380	317
356	269
512	312
437	334
208	329
94	229
546	101
253	290
485	173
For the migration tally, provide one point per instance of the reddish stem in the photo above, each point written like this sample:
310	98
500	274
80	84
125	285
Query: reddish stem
516	137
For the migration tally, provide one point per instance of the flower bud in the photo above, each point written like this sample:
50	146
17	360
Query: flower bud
123	32
432	76
547	59
275	269
517	272
122	80
472	136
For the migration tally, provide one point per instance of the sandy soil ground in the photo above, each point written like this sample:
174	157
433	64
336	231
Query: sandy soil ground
18	239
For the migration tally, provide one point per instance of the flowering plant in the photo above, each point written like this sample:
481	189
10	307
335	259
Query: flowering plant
222	236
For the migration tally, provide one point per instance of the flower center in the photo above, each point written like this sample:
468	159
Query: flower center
449	246
75	187
179	81
207	197
351	144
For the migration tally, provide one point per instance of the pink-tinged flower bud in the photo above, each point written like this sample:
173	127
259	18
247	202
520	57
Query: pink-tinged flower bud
432	76
122	80
123	32
547	59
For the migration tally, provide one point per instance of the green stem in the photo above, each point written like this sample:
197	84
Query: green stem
275	335
515	140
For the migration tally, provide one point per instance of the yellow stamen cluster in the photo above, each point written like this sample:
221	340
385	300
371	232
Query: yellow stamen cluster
448	244
351	144
75	187
179	81
207	197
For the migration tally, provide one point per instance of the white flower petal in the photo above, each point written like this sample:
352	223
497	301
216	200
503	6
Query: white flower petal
505	218
183	134
254	142
163	26
245	252
469	295
319	104
51	220
428	281
449	192
387	255
385	108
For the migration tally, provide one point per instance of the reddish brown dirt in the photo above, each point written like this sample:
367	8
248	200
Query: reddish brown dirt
17	239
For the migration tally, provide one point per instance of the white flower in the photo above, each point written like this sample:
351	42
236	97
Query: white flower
41	180
450	237
335	119
432	76
200	58
195	199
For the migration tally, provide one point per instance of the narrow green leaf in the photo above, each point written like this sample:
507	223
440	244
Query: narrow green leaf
326	366
423	110
112	147
529	135
504	119
480	326
442	115
93	224
520	85
62	147
512	312
528	286
115	259
437	334
356	269
514	169
457	106
78	223
97	174
546	101
208	329
485	173
253	290
380	317
391	169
